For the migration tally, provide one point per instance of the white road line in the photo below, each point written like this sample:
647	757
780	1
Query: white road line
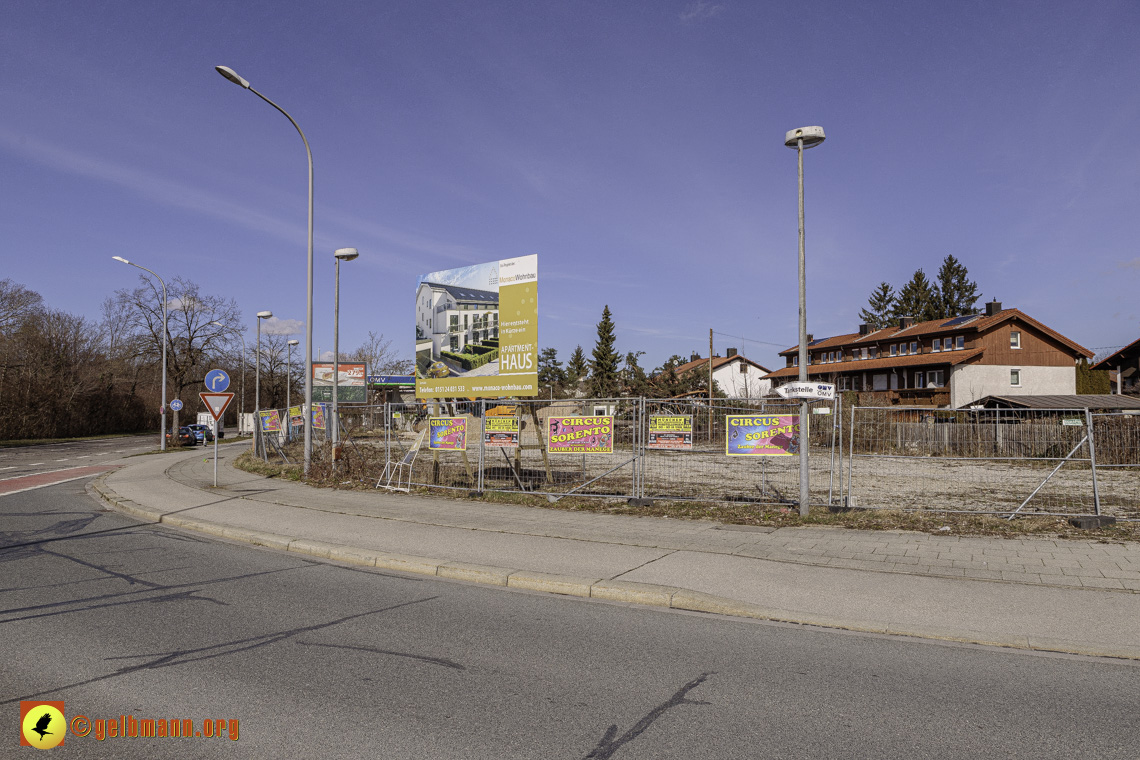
45	485
12	467
63	460
36	464
85	456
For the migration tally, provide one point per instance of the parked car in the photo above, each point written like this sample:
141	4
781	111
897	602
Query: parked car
186	437
202	434
439	369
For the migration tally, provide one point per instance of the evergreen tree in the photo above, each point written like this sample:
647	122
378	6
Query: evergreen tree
577	368
634	381
550	370
882	307
957	293
605	362
918	299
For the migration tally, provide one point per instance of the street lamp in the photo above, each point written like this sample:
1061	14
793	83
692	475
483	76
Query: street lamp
232	75
341	254
243	352
800	139
289	385
257	384
165	339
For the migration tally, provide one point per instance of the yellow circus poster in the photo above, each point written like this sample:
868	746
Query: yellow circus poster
670	431
500	431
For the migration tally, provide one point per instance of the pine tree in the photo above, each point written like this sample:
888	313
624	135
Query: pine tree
576	369
957	293
882	307
550	370
605	362
634	381
918	299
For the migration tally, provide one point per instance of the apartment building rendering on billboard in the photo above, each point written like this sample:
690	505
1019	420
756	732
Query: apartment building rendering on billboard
450	317
944	362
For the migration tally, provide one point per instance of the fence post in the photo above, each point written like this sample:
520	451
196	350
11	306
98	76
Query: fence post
1092	460
483	438
851	458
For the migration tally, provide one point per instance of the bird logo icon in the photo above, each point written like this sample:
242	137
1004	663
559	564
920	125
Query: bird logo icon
42	724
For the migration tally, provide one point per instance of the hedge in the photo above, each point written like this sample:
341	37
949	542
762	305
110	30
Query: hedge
469	362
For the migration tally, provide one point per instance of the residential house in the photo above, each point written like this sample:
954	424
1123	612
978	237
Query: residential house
736	375
1125	368
450	317
944	362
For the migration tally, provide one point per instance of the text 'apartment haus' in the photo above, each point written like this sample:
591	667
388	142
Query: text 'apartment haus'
944	362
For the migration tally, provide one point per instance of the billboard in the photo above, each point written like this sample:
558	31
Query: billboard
762	436
477	330
352	388
580	435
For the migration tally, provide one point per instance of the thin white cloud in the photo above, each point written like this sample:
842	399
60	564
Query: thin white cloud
1134	264
701	10
275	326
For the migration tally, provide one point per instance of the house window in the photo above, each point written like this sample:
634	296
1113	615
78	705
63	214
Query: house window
874	352
795	361
1015	378
918	380
1015	339
936	345
934	378
894	349
960	342
743	368
864	353
914	346
834	356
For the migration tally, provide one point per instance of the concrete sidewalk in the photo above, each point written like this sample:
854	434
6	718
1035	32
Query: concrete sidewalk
1067	596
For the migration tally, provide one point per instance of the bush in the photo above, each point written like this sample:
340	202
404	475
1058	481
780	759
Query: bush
470	362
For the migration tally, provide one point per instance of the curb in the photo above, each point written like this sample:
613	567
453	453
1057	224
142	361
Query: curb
629	592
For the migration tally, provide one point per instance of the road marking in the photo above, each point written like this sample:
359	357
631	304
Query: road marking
12	467
85	456
36	464
62	460
10	486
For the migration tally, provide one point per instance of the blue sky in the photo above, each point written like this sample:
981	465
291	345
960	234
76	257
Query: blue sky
635	147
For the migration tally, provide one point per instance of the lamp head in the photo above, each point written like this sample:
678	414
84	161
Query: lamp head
264	314
120	258
346	254
811	136
294	342
232	75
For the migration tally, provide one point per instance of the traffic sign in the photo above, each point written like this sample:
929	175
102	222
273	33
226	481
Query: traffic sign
176	405
807	390
216	402
217	380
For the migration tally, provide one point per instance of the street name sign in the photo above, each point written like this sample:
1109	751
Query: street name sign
825	391
216	402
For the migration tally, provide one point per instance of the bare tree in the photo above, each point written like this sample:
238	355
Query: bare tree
381	358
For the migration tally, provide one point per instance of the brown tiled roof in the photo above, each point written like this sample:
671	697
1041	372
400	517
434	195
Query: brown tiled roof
1121	356
717	362
939	327
883	362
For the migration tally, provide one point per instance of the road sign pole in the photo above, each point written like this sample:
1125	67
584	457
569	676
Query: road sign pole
215	454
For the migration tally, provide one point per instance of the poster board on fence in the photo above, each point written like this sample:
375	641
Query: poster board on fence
319	416
477	330
580	435
765	435
296	416
670	431
447	433
270	421
501	432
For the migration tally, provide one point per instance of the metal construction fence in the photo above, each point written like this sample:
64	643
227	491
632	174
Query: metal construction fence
1066	462
986	461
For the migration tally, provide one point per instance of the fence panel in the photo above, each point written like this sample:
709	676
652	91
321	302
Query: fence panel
1117	440
987	460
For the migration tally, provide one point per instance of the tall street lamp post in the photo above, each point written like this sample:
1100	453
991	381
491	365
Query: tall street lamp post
289	386
341	254
257	384
801	139
232	75
165	340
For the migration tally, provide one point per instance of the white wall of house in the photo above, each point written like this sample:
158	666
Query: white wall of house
968	383
737	384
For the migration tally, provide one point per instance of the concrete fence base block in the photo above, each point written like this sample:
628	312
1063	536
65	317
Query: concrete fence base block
1092	522
552	583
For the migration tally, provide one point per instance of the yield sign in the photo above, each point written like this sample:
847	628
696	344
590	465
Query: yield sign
216	402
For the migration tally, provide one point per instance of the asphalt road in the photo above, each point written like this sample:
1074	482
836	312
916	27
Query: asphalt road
18	461
314	659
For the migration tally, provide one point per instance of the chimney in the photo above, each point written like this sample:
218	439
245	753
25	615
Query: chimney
810	337
905	322
993	307
864	329
731	352
694	356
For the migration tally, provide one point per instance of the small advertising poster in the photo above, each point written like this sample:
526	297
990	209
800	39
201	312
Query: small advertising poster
319	416
762	436
270	421
580	435
296	416
447	433
670	431
501	431
351	388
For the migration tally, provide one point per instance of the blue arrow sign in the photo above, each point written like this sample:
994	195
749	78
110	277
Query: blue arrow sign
176	405
217	380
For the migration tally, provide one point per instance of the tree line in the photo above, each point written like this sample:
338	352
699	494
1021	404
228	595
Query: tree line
952	294
63	375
